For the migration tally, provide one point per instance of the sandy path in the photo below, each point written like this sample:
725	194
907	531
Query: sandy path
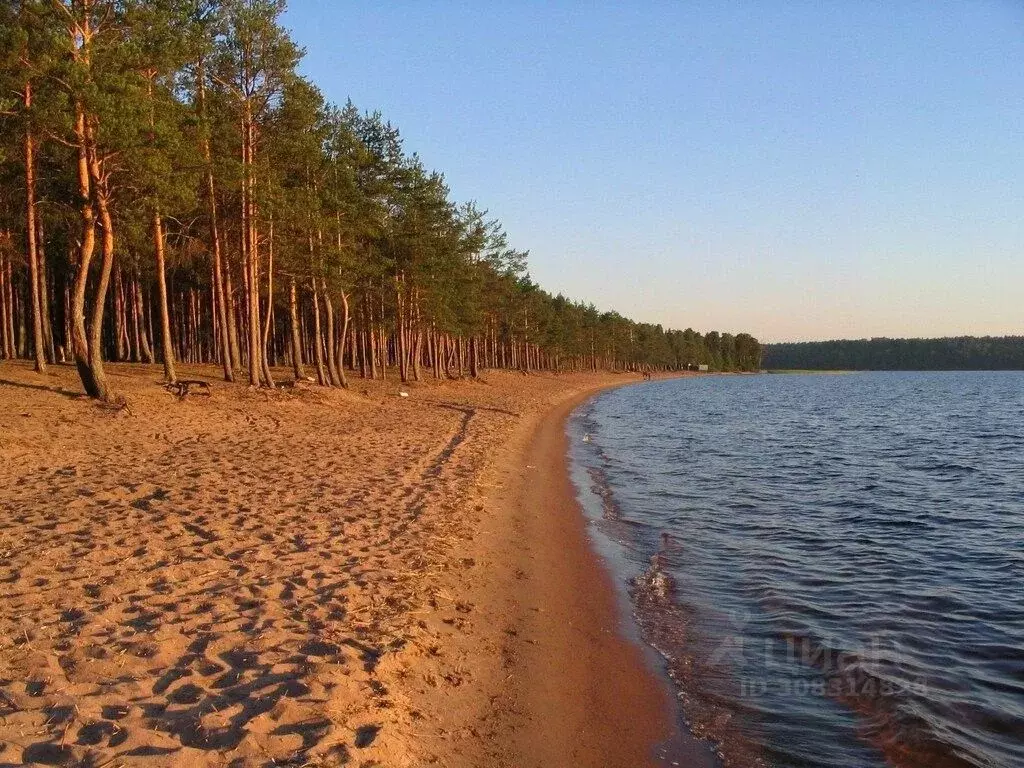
300	578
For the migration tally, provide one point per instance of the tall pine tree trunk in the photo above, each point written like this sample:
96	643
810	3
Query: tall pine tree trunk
318	355
250	245
293	311
30	236
106	266
145	339
165	314
86	248
370	340
268	378
417	345
332	359
121	344
5	348
352	344
44	291
342	337
234	342
134	344
221	297
403	369
382	341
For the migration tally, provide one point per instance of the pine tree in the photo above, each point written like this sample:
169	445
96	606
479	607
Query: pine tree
162	163
255	60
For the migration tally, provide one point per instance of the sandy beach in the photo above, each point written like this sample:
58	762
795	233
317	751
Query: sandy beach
307	577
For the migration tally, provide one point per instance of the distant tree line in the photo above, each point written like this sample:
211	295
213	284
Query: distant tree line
882	354
172	190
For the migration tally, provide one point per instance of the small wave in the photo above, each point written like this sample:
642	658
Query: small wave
941	467
708	705
601	487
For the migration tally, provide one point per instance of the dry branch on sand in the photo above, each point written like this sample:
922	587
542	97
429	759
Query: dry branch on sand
184	387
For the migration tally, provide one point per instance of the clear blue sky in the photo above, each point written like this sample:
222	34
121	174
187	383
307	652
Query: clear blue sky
797	170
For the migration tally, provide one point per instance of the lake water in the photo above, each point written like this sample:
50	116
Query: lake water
832	566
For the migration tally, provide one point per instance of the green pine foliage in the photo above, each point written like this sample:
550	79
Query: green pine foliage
187	122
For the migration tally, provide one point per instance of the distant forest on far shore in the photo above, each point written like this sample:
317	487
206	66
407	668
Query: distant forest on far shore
960	353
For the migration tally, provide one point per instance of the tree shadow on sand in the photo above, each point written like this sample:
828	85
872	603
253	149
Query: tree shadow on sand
43	388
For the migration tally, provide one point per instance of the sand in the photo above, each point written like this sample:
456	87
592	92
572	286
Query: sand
307	577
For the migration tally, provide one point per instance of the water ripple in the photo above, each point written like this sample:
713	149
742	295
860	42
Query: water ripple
831	565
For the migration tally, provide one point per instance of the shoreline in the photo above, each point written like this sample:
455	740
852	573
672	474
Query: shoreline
331	575
575	686
584	677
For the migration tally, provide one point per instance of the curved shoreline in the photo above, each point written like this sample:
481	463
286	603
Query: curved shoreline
577	691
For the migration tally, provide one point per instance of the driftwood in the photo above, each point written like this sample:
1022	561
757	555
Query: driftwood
185	387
